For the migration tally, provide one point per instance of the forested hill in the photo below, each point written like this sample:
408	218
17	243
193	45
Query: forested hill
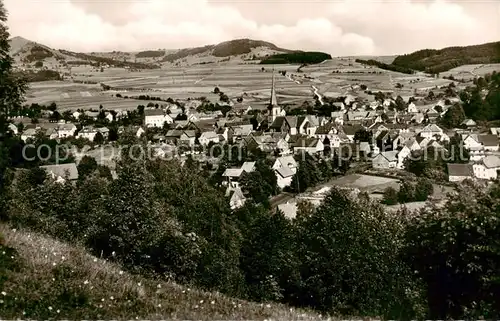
436	61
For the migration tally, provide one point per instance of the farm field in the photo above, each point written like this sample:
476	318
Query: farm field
332	78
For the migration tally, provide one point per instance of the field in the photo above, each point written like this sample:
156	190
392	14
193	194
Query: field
336	77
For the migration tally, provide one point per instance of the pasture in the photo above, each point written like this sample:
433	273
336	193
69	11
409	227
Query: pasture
335	77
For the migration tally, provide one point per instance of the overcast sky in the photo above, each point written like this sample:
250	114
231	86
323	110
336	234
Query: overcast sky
339	27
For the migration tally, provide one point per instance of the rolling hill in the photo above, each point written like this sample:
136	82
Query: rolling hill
41	278
26	53
436	61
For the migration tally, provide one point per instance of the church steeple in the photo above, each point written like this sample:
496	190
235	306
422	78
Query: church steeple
274	100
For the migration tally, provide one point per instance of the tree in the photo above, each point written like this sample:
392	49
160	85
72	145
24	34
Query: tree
86	167
352	248
406	192
390	196
99	138
456	244
423	190
400	104
453	117
12	91
216	90
39	64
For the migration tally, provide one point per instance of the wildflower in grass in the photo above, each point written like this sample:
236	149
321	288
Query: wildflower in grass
4	293
1	301
95	259
196	306
86	282
54	264
139	284
50	308
213	302
111	298
159	305
159	286
102	299
201	301
63	258
183	291
121	272
268	306
58	310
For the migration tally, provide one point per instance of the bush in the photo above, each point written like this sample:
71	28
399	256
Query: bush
390	196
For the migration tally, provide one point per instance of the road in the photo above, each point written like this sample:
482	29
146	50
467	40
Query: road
317	94
281	199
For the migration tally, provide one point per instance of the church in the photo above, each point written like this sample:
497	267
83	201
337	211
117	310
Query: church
294	125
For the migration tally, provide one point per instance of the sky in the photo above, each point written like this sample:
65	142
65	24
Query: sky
338	27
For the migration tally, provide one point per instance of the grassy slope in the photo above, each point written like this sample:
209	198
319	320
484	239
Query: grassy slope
435	61
53	277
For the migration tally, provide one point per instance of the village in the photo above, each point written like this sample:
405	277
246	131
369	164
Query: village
377	138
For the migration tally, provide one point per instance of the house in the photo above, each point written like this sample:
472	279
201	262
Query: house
61	172
236	197
76	115
460	172
469	123
92	114
109	116
471	141
233	175
489	142
29	133
338	117
495	131
285	167
188	137
13	129
430	131
385	160
66	130
156	118
207	137
412	108
309	145
487	168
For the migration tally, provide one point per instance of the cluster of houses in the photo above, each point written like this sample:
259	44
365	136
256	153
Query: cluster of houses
393	136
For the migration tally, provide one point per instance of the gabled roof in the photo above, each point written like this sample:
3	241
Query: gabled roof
61	170
248	166
390	156
285	172
431	128
488	140
460	170
287	161
491	161
153	112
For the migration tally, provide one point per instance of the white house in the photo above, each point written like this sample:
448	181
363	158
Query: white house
236	197
156	118
13	129
66	130
412	108
285	167
308	145
487	168
489	142
232	175
207	137
61	172
430	131
385	160
90	132
471	141
28	134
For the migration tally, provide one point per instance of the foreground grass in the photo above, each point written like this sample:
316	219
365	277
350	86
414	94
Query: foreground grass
41	278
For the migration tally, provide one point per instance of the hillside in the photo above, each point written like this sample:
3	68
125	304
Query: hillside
41	278
435	61
299	57
28	53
